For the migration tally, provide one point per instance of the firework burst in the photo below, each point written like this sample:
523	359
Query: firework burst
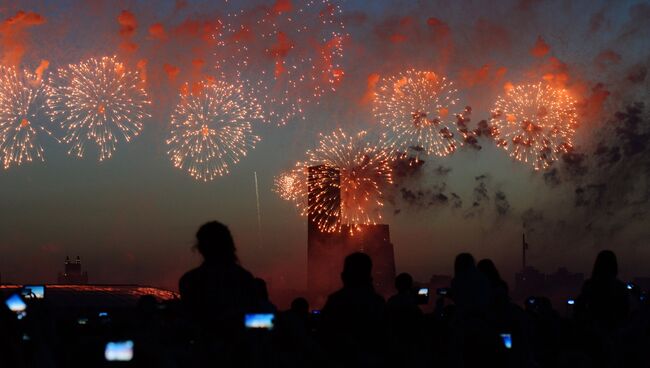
291	185
98	101
535	123
356	167
288	57
418	110
23	115
211	129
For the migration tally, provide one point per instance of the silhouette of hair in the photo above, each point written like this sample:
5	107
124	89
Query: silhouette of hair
300	305
403	282
357	269
606	266
464	262
214	242
260	289
489	270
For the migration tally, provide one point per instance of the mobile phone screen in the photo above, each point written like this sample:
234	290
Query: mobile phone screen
259	321
119	351
16	304
34	291
423	292
507	340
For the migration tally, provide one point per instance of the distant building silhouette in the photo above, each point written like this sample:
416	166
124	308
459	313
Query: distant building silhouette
72	274
529	281
326	250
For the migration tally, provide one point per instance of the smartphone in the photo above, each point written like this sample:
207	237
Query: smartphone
17	305
531	300
262	321
315	312
570	301
442	291
119	351
630	285
422	296
506	338
33	291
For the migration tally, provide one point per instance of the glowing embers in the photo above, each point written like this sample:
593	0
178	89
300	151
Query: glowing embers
24	116
98	101
417	108
535	123
288	56
345	181
211	129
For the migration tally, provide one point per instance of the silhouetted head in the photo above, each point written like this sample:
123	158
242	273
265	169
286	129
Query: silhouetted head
606	266
300	306
357	269
403	282
489	270
464	263
214	242
260	289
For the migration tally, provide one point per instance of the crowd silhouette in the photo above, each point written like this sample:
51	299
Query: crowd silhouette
474	323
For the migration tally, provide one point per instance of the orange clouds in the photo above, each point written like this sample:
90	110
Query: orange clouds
369	96
128	25
171	71
485	74
282	6
541	48
157	31
13	42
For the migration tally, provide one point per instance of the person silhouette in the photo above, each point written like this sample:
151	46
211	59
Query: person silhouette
498	287
603	302
216	294
470	288
404	321
352	320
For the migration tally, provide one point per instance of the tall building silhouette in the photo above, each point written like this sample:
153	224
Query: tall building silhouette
327	250
72	274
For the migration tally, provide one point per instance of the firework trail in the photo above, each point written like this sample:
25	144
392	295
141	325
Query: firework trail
288	57
359	169
211	129
536	123
23	115
418	110
99	101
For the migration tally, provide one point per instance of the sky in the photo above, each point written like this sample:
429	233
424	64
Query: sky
132	218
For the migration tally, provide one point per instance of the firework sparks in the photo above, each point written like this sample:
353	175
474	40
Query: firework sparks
289	57
536	123
359	169
292	185
211	129
418	110
99	101
23	115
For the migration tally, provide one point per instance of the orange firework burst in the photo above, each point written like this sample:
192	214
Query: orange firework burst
23	115
288	56
211	129
418	108
359	169
99	101
292	185
536	123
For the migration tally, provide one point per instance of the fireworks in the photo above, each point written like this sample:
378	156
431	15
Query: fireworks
292	185
288	57
356	167
536	123
211	129
99	101
23	114
418	110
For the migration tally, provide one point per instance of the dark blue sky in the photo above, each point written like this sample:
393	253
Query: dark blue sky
132	218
